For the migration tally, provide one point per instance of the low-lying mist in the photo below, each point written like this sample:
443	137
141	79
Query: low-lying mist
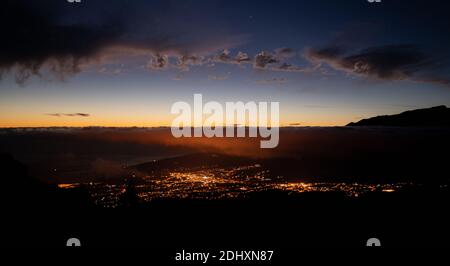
103	153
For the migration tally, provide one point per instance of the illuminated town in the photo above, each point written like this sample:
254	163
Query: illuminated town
226	183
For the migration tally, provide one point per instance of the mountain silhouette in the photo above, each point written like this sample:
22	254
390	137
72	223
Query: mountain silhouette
435	116
19	190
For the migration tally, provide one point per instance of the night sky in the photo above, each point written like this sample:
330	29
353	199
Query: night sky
123	63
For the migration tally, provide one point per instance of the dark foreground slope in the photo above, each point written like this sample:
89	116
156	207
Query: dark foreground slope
264	220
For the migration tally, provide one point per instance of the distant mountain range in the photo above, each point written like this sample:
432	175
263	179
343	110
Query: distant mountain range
435	116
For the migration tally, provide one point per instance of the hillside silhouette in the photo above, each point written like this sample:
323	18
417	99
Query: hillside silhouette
21	191
438	116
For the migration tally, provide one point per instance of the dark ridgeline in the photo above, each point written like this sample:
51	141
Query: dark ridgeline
32	209
20	191
438	116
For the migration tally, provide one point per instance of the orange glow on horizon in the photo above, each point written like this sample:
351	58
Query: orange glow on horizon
10	121
98	123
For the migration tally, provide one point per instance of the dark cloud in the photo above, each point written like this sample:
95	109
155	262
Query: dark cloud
285	52
242	57
62	38
226	57
276	61
70	115
158	62
186	61
287	67
265	59
32	38
223	57
391	62
326	53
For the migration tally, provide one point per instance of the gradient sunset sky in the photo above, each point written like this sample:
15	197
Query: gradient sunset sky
124	63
